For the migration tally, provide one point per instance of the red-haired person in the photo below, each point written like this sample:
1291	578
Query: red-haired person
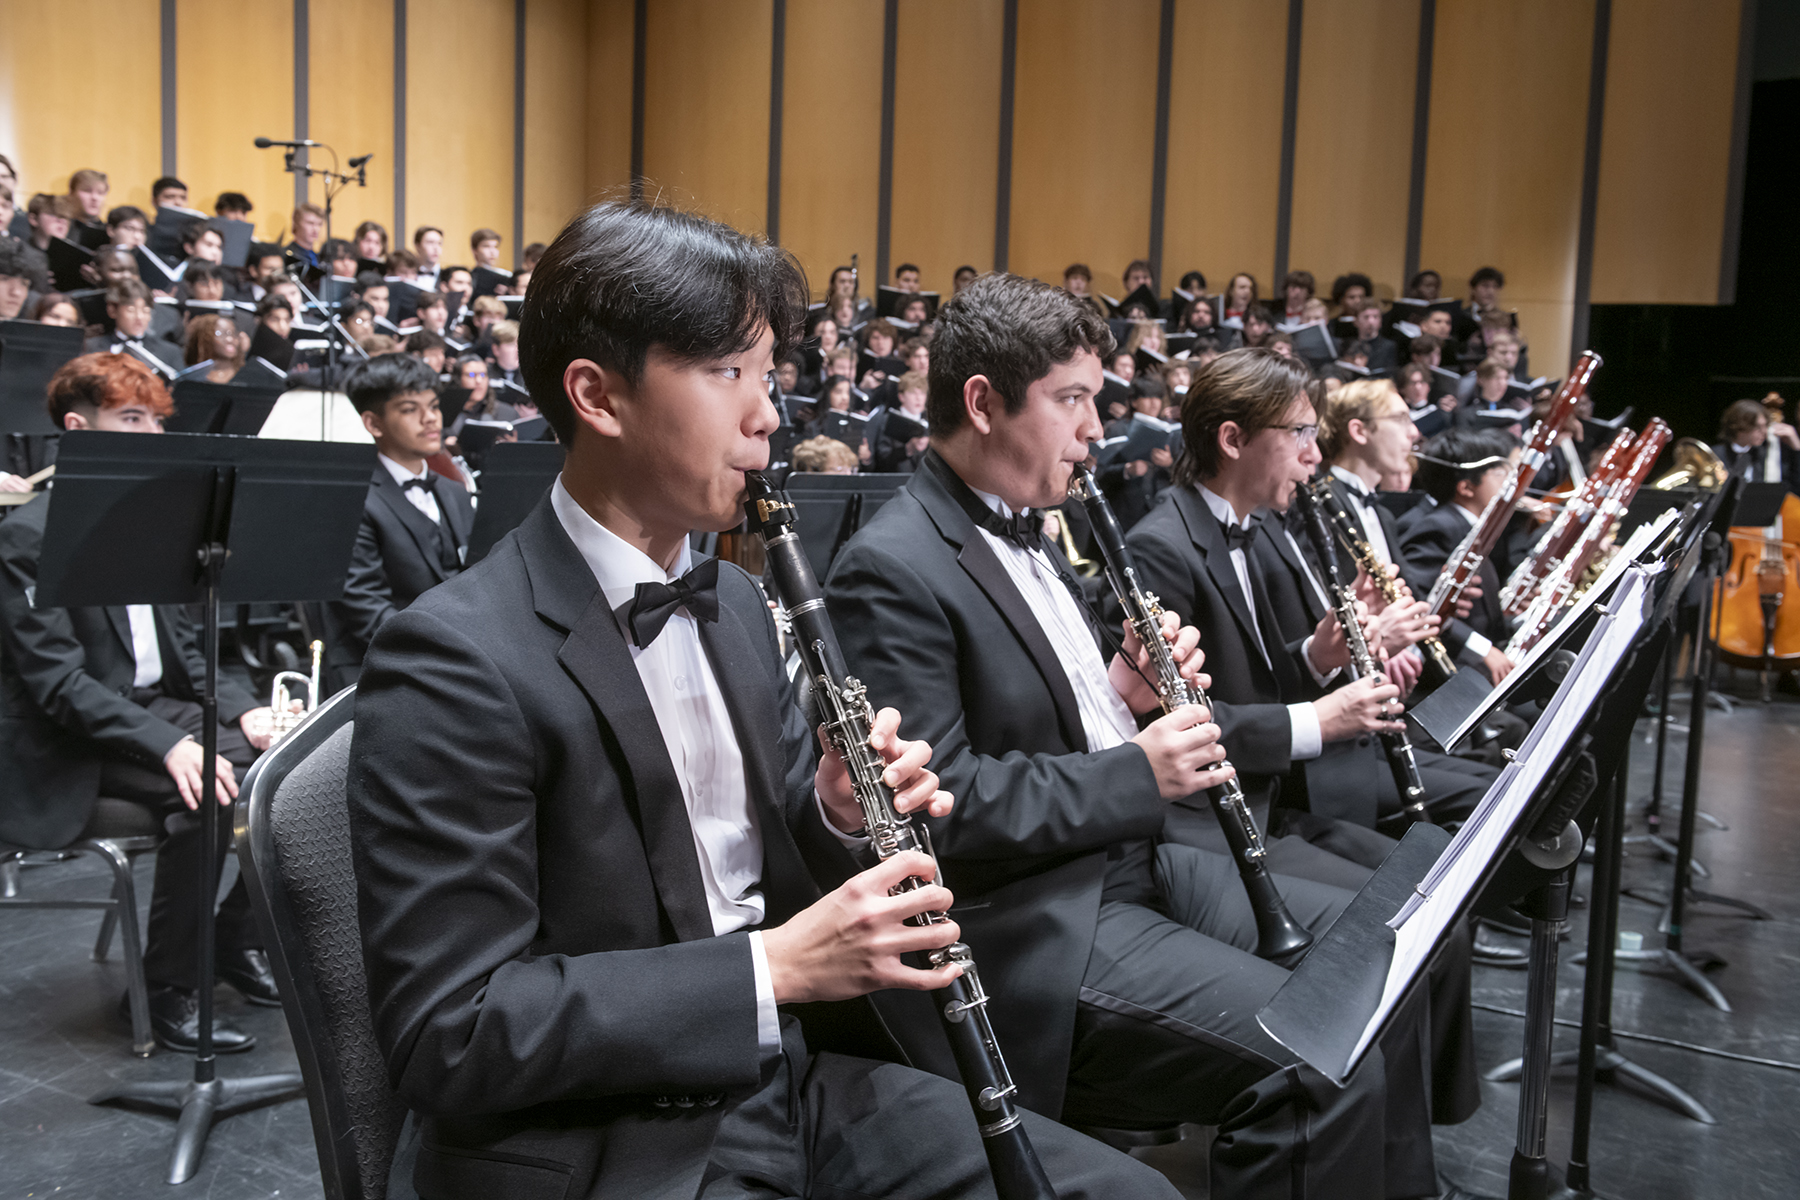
106	702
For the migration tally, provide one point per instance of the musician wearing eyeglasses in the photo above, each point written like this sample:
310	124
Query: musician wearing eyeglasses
1124	987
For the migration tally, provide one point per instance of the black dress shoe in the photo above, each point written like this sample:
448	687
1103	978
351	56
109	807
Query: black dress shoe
175	1020
248	972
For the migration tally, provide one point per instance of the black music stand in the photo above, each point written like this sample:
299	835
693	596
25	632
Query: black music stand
831	508
514	477
29	355
232	408
183	518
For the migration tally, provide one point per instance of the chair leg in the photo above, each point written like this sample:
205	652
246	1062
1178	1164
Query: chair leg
108	922
143	1041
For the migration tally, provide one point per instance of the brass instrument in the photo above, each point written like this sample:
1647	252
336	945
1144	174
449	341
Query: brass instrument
1087	568
1350	537
1695	466
283	720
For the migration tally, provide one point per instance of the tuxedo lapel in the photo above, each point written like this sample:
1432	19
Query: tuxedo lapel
1209	538
597	659
120	619
743	676
418	525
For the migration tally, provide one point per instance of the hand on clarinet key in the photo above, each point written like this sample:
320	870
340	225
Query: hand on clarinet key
1180	746
1401	624
849	943
1329	651
1370	705
1133	683
914	786
1403	671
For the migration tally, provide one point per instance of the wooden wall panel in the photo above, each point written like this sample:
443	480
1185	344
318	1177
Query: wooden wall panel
946	136
113	123
218	120
608	97
1353	140
1503	180
459	120
1665	152
1083	137
831	136
706	107
1224	139
350	105
556	33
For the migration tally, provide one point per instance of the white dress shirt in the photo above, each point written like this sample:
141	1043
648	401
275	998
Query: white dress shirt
1361	504
1477	643
144	647
702	744
1104	717
1306	740
419	498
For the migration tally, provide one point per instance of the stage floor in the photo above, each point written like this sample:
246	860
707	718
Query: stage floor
61	1038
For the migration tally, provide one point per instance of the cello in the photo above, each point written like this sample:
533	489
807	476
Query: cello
1756	610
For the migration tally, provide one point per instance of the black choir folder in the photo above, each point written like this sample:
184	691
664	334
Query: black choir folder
1342	996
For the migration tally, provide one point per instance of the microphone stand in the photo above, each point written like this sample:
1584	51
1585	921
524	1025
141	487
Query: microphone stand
335	180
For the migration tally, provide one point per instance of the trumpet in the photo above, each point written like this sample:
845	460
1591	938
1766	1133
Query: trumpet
282	718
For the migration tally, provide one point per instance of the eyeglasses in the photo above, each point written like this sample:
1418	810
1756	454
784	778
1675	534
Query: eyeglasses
1304	435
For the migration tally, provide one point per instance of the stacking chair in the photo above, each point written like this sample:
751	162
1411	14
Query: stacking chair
293	842
117	832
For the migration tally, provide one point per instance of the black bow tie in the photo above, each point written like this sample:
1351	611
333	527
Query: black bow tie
1238	537
653	604
426	484
1021	529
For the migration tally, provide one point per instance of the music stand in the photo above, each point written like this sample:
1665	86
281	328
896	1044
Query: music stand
184	518
231	408
29	355
514	477
830	508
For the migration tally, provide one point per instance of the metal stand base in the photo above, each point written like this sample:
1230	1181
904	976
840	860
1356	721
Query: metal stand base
196	1106
1668	851
1608	1062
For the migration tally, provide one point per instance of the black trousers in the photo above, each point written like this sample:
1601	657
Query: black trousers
1166	1031
171	941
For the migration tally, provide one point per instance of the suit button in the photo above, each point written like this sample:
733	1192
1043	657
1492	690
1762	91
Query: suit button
712	1099
1363	740
684	1102
661	1101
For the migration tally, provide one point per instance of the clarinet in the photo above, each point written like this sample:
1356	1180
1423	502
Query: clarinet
1279	938
1351	539
1397	746
848	716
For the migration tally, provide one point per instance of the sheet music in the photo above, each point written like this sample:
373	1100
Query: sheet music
1421	921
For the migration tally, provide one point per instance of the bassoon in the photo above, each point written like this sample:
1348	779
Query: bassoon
848	717
1279	938
1464	564
1555	545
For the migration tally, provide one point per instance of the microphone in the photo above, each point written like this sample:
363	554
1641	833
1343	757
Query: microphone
265	143
358	162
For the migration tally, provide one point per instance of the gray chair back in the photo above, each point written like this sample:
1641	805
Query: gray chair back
293	839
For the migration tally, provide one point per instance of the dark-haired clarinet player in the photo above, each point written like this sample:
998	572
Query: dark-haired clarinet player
1124	987
596	845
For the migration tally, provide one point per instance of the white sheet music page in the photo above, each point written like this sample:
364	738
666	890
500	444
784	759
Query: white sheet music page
1421	921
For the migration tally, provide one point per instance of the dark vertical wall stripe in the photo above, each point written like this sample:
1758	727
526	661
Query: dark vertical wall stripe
302	102
168	86
884	205
777	75
640	18
400	124
1421	132
1290	106
518	231
1590	178
1159	162
1740	142
1009	48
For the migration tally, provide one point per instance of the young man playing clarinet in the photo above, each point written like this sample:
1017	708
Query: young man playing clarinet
1122	983
593	827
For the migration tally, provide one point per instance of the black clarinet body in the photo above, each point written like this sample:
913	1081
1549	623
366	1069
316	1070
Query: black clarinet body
848	716
1397	747
1279	938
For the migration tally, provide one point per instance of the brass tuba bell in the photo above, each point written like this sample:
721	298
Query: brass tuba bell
1695	466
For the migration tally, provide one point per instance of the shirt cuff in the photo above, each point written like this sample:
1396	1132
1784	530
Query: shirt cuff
850	841
1321	680
1308	740
768	1021
1478	644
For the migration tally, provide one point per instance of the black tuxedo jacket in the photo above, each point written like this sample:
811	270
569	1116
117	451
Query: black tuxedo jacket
65	694
394	562
1182	557
541	961
931	622
1789	462
1429	535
